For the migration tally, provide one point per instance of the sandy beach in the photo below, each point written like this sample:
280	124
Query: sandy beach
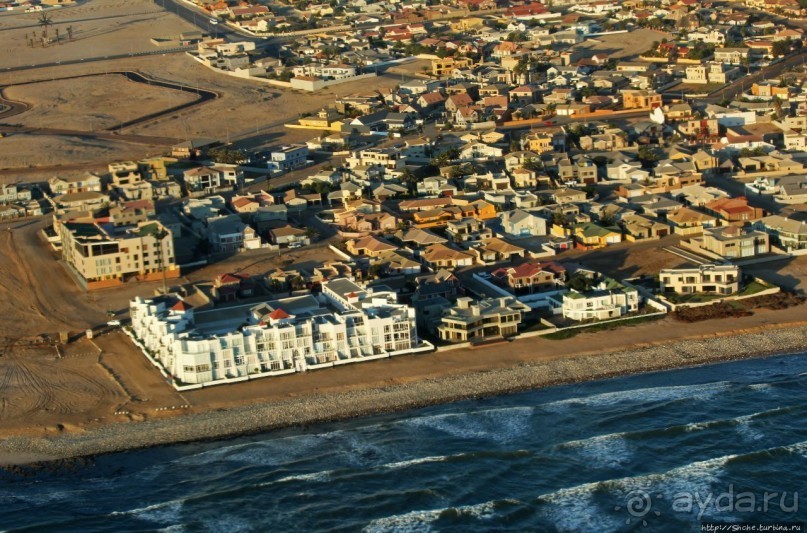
314	406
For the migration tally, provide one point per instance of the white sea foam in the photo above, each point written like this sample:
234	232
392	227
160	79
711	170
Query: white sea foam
798	447
417	461
610	450
421	521
764	387
325	475
500	425
575	509
162	513
178	528
647	395
745	430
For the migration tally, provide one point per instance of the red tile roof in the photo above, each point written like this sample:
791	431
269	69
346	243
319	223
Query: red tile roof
181	306
278	314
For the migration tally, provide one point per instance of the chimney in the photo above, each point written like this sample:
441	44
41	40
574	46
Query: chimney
464	302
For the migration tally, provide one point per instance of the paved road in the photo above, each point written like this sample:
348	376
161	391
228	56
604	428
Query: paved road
201	20
737	87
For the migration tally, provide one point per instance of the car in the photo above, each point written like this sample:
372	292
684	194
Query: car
549	122
113	323
485	275
296	245
214	21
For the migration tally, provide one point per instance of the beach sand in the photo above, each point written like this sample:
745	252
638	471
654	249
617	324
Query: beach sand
311	405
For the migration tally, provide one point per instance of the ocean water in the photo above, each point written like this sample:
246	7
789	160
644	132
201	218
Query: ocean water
656	452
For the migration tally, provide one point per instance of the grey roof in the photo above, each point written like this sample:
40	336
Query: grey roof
343	287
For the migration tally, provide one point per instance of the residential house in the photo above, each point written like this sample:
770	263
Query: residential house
441	256
530	277
734	242
228	234
734	210
789	233
475	321
520	223
608	300
591	236
369	246
289	236
289	157
703	279
87	182
686	221
640	99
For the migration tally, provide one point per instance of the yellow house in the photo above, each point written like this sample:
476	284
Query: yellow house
468	23
444	66
538	142
590	236
484	210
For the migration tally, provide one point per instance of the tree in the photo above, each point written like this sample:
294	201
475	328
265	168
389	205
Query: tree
646	154
781	48
45	22
225	155
376	270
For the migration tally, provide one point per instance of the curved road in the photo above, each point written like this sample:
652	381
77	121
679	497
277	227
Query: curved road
203	95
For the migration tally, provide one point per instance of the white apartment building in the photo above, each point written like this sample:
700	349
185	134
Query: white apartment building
609	299
344	324
712	72
289	157
387	159
709	278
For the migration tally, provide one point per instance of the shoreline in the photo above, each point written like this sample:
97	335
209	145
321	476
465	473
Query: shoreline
334	406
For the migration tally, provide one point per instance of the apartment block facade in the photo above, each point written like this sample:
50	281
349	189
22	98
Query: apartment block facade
345	324
101	254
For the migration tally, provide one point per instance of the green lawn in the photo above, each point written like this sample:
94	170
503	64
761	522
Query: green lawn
750	289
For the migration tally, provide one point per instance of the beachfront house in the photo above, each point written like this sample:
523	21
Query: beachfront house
608	299
476	321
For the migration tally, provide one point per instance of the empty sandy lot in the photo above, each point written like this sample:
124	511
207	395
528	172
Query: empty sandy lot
243	108
22	150
91	103
621	45
103	28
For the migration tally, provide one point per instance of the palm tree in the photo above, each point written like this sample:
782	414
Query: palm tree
45	21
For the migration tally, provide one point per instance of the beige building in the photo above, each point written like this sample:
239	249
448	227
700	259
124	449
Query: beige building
484	319
713	72
106	256
640	99
708	279
87	182
735	242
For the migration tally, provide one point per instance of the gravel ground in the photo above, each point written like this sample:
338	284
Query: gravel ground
344	405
